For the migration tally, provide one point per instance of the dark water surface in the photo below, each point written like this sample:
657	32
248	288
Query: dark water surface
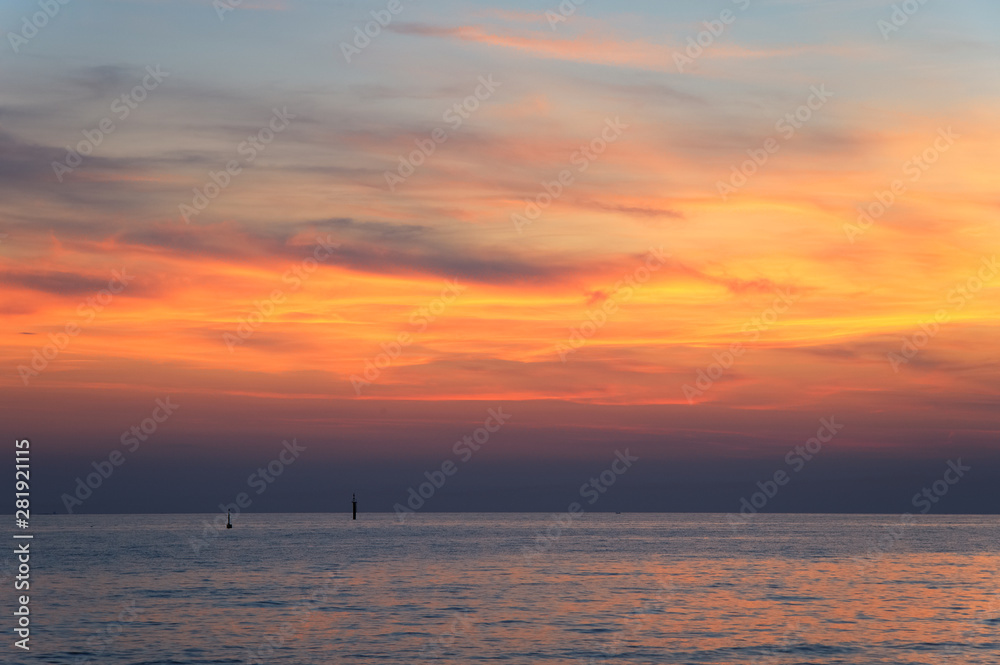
467	588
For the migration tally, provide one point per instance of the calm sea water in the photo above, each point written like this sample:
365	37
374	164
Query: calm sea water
298	589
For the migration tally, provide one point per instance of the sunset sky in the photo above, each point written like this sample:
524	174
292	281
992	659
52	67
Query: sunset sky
620	239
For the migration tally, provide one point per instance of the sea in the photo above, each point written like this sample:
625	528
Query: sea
304	589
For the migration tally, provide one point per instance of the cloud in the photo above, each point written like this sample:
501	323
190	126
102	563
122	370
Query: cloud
22	161
56	282
639	211
594	47
588	48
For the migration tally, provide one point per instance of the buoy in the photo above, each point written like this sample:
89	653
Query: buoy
229	520
354	501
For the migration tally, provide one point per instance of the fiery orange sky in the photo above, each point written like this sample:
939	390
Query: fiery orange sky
698	229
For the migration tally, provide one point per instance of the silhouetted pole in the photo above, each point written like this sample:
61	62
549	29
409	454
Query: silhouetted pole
354	501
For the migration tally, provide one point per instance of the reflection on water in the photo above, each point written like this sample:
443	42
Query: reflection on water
297	589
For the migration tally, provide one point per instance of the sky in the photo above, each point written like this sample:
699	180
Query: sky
703	233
